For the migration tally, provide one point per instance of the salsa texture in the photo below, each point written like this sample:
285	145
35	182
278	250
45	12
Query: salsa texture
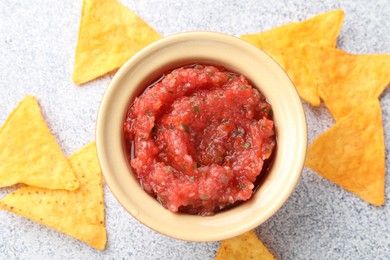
198	138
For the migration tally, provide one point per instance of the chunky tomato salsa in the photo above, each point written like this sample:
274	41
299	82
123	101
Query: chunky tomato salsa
198	138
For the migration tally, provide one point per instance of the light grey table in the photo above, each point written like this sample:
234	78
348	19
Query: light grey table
319	221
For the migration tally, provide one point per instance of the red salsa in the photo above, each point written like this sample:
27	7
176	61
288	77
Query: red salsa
198	138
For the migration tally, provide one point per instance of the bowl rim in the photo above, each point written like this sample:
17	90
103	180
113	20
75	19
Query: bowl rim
109	173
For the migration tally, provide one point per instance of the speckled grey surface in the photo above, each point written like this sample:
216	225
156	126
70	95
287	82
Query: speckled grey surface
319	221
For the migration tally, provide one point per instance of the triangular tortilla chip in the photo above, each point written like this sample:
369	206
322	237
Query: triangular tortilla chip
280	43
345	80
29	153
352	153
321	29
79	213
245	246
300	74
109	35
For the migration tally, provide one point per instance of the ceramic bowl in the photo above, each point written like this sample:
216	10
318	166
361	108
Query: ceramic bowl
235	55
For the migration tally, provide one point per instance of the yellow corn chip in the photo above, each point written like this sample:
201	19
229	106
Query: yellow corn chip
79	213
245	246
352	153
109	35
30	154
280	43
300	74
322	29
345	81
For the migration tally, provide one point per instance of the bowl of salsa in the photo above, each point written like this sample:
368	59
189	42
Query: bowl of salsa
201	136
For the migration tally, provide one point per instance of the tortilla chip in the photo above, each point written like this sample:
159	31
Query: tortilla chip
352	153
245	246
79	213
321	29
29	153
280	44
345	81
109	35
300	74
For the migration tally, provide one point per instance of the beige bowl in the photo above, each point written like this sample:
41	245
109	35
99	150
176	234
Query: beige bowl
203	48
